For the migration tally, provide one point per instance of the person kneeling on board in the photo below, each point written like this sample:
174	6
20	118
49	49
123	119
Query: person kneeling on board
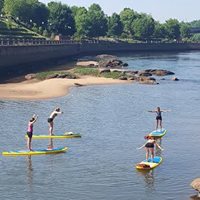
30	131
149	147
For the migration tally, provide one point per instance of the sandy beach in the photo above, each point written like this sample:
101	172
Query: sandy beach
51	88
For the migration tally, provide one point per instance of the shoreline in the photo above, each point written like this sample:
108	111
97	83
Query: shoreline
51	88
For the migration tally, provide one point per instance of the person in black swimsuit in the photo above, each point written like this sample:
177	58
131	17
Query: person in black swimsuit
149	146
158	111
51	119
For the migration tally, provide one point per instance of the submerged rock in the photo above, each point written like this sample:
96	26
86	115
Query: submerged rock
175	79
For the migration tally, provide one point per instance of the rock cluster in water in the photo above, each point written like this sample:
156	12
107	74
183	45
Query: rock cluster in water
109	63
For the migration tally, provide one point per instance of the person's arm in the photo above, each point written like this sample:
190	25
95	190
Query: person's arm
58	112
142	146
159	146
151	110
35	119
165	110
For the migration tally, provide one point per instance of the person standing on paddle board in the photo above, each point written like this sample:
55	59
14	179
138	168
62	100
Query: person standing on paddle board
51	119
149	146
158	117
30	131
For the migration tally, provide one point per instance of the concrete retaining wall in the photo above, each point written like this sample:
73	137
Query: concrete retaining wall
16	55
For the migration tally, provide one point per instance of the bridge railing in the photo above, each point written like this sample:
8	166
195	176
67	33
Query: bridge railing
32	42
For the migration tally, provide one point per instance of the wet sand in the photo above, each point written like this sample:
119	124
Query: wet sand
51	88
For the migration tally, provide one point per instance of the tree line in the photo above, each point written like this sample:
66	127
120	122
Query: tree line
79	22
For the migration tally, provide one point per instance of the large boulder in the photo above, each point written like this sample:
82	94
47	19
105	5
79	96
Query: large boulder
146	80
52	76
87	63
105	57
124	78
160	72
113	63
144	73
30	76
195	184
104	70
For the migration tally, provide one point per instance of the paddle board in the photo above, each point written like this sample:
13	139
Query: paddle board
35	152
158	133
62	136
150	164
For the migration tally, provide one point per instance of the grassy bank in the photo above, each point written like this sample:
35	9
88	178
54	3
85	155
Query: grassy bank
76	72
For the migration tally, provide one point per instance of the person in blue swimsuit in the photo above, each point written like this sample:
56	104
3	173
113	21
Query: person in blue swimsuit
158	112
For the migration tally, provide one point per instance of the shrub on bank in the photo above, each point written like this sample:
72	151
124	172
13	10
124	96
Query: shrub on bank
84	71
55	74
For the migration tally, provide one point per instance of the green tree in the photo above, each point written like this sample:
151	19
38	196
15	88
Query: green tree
196	37
81	21
127	17
194	24
160	31
97	22
144	27
115	27
185	31
18	8
39	13
61	20
29	11
173	29
1	5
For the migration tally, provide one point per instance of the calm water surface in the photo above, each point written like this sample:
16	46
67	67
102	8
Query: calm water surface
112	120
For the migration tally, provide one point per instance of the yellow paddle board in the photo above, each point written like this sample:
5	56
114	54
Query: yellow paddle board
150	164
35	152
63	136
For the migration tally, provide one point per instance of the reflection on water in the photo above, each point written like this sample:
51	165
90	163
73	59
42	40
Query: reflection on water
29	172
50	145
148	178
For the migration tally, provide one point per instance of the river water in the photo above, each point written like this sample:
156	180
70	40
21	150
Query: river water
112	121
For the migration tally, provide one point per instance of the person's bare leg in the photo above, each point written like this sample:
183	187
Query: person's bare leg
147	154
156	124
29	143
51	128
152	153
161	124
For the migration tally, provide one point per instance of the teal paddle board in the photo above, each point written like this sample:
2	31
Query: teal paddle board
158	133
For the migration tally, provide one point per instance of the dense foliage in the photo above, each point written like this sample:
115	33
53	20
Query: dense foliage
57	18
